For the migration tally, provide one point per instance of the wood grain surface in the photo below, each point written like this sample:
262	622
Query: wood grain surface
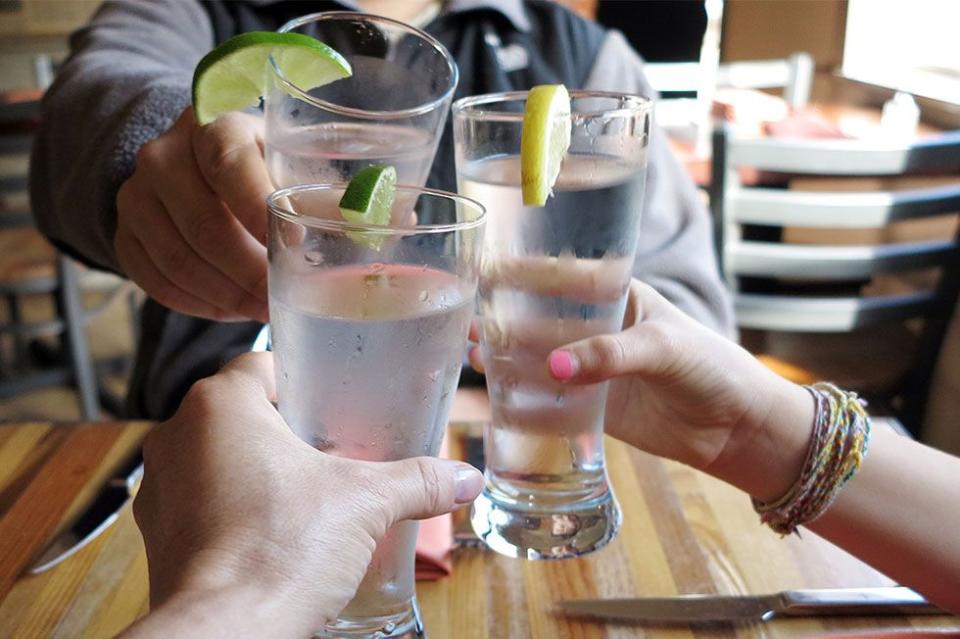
683	532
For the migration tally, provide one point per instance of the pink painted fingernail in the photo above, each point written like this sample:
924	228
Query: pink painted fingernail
563	365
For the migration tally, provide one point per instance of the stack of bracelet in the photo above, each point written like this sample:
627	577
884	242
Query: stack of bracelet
841	431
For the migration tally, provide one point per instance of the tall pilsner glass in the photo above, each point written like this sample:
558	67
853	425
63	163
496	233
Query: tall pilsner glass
551	275
369	328
390	111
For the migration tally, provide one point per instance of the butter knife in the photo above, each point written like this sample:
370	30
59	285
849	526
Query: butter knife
96	518
896	600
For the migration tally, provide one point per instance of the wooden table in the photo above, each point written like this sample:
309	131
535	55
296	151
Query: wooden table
683	532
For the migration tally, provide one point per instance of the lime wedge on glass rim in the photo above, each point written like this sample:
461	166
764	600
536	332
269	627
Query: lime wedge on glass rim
232	77
368	200
544	141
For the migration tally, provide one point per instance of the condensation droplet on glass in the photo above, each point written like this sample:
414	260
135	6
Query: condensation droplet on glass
434	376
424	296
313	258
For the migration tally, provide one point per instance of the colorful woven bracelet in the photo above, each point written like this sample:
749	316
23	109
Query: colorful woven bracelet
841	433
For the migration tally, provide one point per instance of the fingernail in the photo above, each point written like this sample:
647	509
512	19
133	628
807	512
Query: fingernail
563	365
468	482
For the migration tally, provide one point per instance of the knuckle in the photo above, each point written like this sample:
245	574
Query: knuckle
201	399
220	145
149	447
150	154
432	484
206	229
609	353
140	509
664	340
124	197
173	258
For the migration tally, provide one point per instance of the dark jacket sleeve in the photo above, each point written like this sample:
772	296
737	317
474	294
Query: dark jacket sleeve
675	254
126	81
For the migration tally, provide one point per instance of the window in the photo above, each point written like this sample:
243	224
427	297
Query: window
905	45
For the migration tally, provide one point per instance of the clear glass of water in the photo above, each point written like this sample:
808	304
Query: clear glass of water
551	275
392	109
369	327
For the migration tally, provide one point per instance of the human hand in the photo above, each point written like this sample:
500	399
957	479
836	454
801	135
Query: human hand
678	390
191	220
232	500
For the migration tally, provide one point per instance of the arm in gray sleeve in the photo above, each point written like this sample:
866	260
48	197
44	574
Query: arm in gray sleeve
126	81
675	254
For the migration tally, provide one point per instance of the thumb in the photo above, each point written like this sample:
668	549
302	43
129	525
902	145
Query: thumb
641	350
425	487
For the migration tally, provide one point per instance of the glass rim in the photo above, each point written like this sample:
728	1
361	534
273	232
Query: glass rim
468	107
342	225
363	113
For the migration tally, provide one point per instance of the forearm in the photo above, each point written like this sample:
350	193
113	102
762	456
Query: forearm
128	78
901	514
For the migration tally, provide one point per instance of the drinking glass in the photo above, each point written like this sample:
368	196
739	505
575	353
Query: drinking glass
390	111
551	275
369	326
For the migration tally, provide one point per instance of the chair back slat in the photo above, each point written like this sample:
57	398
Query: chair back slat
829	315
778	207
848	157
836	263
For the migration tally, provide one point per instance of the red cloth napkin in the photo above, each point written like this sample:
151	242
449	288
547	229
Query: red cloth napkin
435	542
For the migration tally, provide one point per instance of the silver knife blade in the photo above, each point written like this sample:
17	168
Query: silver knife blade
95	519
733	608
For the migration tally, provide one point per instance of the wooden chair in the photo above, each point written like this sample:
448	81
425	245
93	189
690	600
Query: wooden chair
31	267
841	289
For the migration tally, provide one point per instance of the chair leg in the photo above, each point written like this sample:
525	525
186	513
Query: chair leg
71	309
20	354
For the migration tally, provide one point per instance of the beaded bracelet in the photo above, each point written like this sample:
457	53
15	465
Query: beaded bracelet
841	432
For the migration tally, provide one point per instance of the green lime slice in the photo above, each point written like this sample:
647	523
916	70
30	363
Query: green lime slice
368	200
232	77
544	141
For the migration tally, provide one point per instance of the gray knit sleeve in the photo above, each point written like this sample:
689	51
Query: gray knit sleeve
675	254
126	81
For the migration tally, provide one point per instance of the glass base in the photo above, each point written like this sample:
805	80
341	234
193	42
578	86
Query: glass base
558	533
402	625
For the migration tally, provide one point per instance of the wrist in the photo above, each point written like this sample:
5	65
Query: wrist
239	610
765	455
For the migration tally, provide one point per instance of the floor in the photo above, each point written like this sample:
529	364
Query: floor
110	335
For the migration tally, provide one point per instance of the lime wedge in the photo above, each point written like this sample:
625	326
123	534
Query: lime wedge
543	141
233	76
368	199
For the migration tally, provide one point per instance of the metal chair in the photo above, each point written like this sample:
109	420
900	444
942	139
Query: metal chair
794	75
787	287
30	266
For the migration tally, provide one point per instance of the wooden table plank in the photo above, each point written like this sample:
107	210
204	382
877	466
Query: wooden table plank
682	532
